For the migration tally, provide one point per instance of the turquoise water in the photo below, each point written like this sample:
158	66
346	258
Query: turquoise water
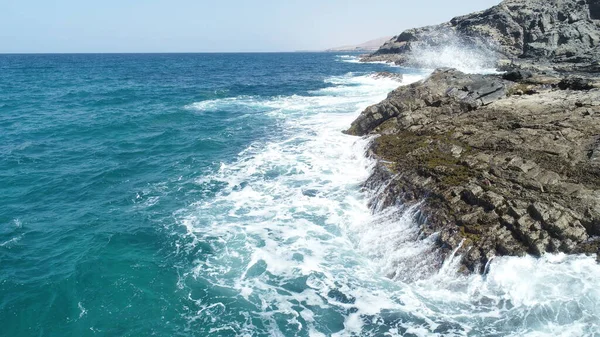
215	195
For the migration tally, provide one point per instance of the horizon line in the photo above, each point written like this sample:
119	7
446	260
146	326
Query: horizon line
199	52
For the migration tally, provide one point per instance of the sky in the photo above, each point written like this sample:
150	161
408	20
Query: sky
80	26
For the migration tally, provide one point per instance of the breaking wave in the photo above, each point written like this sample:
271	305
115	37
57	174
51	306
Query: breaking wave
463	58
290	242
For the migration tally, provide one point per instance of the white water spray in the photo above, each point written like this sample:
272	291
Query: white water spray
293	238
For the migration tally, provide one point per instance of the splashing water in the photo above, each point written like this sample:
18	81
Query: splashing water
454	53
292	241
214	194
356	59
466	59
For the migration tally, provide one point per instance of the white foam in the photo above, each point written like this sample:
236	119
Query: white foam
356	59
223	103
82	310
11	242
292	236
455	55
16	234
349	94
288	200
349	58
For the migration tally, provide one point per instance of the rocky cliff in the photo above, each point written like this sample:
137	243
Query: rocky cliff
501	165
555	31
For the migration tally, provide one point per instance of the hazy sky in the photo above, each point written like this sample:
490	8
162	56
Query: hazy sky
210	26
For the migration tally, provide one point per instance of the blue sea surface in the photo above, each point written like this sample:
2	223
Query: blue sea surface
215	195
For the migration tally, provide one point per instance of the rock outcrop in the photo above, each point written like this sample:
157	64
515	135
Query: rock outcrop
559	32
388	75
501	165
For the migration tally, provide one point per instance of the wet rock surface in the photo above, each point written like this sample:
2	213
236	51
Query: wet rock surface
564	33
501	164
389	75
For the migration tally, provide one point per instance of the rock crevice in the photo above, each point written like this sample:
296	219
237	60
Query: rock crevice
505	165
563	33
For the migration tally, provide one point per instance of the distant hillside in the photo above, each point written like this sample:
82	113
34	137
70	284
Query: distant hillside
366	46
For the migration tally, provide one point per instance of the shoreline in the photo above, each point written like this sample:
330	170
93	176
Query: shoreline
506	163
432	148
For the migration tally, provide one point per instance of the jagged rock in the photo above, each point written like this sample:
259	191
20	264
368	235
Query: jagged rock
390	75
557	31
575	83
502	173
517	75
445	87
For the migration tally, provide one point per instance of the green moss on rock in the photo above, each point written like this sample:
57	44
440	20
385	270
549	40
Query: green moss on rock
430	154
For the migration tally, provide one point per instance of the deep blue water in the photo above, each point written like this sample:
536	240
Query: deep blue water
86	143
214	194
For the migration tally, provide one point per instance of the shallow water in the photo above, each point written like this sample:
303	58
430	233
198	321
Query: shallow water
214	194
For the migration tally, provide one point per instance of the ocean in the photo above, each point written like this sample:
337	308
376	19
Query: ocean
215	195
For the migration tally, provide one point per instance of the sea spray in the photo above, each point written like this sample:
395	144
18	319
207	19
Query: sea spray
320	260
106	159
450	52
283	226
454	54
139	212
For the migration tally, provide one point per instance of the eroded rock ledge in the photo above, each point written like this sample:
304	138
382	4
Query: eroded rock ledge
565	34
506	167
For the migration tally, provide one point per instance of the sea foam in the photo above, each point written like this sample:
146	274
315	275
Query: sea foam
291	237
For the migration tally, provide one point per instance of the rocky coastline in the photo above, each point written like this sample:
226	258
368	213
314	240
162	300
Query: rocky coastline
500	164
563	35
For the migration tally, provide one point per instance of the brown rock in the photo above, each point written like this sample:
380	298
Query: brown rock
503	174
